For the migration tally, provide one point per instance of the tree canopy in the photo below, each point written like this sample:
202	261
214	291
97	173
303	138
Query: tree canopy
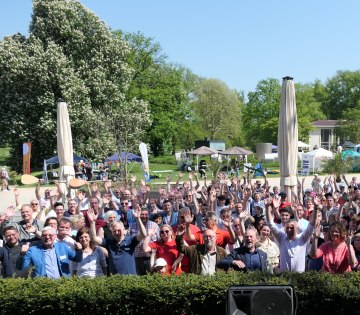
69	54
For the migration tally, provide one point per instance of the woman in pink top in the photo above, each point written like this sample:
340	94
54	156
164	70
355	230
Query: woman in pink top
338	253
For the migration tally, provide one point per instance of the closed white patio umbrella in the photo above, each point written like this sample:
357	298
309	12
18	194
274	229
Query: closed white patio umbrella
288	138
64	146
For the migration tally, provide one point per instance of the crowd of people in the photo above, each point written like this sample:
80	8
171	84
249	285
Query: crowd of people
226	224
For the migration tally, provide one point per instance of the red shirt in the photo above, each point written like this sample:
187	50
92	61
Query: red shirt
222	237
335	260
168	251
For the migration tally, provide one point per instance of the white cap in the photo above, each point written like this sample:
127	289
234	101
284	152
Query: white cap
160	262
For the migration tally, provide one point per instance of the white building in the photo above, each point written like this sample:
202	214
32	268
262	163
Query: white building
324	135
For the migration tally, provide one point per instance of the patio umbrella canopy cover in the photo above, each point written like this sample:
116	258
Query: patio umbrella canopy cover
64	146
288	137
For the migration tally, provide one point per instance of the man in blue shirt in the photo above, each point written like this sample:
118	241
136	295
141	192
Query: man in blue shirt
247	257
49	259
122	247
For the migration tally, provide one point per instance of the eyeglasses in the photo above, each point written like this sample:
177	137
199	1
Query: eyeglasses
124	204
236	225
34	204
208	236
165	231
47	235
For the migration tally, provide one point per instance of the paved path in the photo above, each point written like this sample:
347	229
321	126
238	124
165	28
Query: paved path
26	194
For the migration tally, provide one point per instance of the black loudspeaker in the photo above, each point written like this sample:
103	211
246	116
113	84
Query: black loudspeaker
261	300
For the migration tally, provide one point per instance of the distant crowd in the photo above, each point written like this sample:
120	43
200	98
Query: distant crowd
232	224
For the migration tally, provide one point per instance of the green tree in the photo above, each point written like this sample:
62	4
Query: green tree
218	111
308	109
348	128
166	87
343	93
261	113
69	54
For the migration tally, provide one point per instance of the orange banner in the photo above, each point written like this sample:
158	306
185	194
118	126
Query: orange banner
26	157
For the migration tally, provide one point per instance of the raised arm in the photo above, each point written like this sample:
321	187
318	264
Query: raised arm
92	218
314	244
37	190
142	231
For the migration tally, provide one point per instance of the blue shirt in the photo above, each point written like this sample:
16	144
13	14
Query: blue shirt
51	266
121	255
252	261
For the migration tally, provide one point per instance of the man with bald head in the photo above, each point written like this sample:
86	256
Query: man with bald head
28	228
203	257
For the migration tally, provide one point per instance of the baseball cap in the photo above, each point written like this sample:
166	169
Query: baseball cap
160	262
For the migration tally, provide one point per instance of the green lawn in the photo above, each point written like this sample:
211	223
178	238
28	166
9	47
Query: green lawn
135	169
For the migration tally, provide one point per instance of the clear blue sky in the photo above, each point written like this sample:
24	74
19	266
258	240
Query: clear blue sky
238	42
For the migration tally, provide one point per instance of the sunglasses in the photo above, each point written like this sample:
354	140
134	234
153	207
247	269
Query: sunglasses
166	231
34	204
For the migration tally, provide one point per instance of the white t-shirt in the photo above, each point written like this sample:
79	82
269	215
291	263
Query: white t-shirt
92	264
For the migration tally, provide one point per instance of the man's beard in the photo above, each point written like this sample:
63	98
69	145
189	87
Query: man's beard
249	245
209	245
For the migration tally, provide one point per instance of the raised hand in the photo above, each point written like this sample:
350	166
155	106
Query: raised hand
81	195
181	175
133	179
94	187
276	202
92	216
16	192
136	212
316	201
25	248
227	220
78	246
10	211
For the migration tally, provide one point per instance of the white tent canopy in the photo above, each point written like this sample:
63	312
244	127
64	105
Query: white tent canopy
312	160
303	145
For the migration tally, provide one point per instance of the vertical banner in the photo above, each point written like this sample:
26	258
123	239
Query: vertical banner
26	157
144	156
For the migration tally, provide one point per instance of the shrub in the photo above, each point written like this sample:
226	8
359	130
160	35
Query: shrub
318	293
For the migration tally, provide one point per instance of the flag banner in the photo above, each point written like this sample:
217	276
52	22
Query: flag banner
26	157
144	156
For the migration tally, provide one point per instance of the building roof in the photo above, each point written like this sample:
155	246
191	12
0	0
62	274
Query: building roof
325	123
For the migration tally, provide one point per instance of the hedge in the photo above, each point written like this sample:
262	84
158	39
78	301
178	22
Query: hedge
317	293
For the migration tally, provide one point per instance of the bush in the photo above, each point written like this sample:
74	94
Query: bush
318	293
